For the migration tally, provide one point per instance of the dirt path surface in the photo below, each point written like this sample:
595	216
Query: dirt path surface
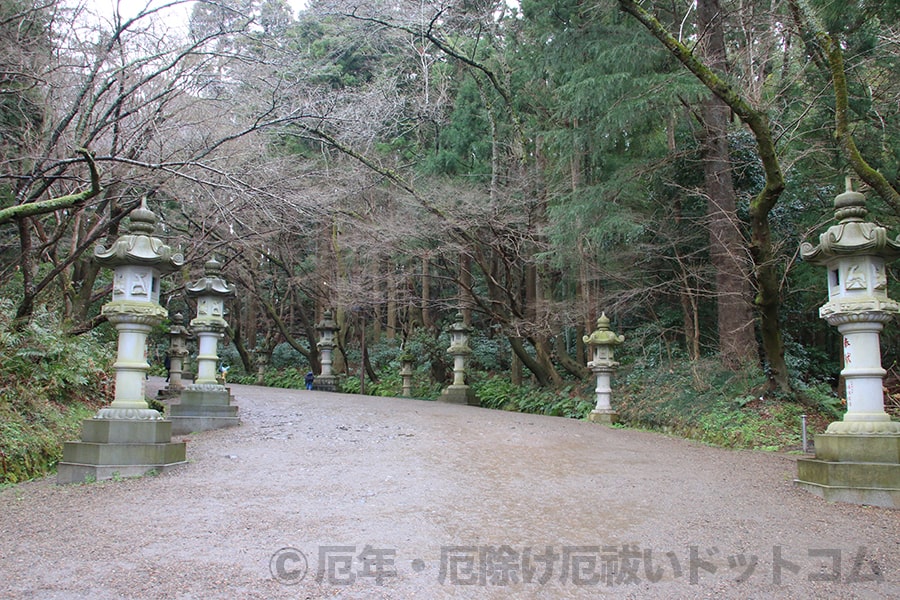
323	495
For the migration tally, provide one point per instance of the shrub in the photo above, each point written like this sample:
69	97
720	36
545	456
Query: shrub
49	383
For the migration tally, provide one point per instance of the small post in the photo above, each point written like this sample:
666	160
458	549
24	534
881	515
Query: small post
803	432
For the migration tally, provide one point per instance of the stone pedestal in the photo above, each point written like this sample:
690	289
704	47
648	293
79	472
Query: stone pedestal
203	407
862	469
326	383
112	448
459	394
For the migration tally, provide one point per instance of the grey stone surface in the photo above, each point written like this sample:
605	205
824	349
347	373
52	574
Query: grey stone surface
312	471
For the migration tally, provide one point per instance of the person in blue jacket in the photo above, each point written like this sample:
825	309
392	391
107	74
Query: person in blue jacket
310	378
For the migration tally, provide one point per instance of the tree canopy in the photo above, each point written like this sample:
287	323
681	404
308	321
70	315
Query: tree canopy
396	161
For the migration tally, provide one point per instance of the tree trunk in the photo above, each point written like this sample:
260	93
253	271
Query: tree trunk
427	322
737	340
26	265
391	329
540	373
768	298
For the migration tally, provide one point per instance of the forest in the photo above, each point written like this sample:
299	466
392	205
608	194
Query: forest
530	164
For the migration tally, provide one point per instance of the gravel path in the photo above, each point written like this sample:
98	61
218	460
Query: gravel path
394	498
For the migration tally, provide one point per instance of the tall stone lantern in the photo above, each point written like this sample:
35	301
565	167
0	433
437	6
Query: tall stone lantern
128	438
206	404
406	359
178	351
602	341
458	392
857	458
327	327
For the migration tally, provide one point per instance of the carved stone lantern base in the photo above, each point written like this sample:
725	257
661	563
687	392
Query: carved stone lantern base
857	468
203	407
112	448
604	416
325	383
459	394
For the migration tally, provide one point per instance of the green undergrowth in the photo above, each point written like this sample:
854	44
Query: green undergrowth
499	393
704	402
49	383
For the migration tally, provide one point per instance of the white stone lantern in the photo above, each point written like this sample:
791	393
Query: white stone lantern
178	351
459	392
601	342
206	404
326	381
209	324
406	372
128	437
858	458
854	252
138	260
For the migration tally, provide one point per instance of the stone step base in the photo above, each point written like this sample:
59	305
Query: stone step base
459	394
126	431
79	473
860	469
183	425
201	410
93	453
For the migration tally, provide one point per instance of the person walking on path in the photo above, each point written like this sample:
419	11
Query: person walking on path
309	379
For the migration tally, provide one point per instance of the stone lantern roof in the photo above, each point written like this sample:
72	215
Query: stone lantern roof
139	246
852	236
603	336
327	321
212	283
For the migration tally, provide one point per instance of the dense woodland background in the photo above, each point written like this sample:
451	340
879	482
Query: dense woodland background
397	161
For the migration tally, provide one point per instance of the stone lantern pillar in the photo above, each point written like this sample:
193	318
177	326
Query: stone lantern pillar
458	392
206	404
857	458
128	438
326	381
601	343
178	335
406	372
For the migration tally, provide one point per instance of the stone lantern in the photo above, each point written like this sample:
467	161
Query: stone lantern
128	438
858	458
206	404
602	341
327	327
178	335
263	356
406	371
458	392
